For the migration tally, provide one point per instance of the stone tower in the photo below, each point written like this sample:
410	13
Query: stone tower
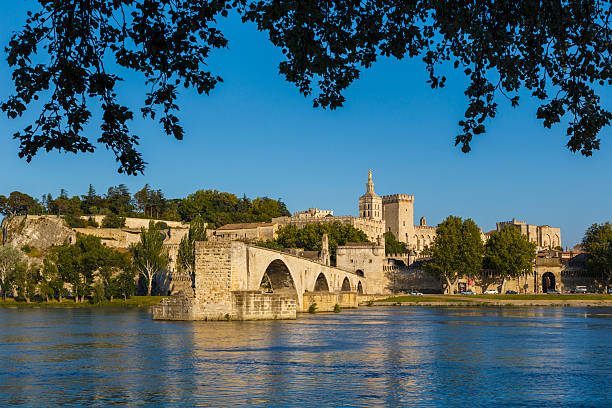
370	204
398	211
324	256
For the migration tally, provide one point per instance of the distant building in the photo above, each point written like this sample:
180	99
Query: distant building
313	213
545	236
252	231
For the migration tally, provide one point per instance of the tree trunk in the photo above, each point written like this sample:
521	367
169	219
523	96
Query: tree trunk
449	285
124	297
61	298
111	298
149	284
503	285
47	297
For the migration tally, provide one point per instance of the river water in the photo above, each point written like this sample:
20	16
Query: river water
368	357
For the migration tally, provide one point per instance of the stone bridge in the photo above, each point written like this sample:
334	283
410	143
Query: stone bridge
235	280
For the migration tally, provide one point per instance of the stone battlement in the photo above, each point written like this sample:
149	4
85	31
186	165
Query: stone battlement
393	198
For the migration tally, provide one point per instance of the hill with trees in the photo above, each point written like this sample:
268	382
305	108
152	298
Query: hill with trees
214	207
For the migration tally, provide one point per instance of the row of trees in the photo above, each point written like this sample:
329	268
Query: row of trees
458	251
85	269
216	208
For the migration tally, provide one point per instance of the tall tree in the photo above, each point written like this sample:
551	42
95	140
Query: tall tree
186	252
141	198
10	257
25	279
558	51
457	251
90	201
472	249
80	263
597	242
150	256
18	203
51	284
510	253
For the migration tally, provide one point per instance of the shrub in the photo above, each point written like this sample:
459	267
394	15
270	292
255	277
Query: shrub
312	308
337	308
75	222
91	222
113	221
98	292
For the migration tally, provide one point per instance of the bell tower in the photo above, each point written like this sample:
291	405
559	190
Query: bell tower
370	204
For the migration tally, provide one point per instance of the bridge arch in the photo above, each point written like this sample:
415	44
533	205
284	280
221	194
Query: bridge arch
321	284
359	272
277	279
359	288
346	285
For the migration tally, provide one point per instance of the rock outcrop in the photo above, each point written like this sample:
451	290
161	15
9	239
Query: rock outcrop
36	231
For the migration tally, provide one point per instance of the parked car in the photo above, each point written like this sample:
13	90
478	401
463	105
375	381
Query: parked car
553	292
581	289
468	292
415	293
491	292
610	291
511	292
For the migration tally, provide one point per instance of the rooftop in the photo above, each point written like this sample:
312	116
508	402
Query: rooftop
246	225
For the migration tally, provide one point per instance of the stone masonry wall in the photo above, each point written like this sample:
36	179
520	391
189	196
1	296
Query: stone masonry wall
326	301
256	305
213	278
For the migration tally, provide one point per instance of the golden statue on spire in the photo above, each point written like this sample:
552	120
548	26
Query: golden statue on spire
370	176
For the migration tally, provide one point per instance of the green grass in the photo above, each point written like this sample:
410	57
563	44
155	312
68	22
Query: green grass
134	301
474	299
422	299
536	297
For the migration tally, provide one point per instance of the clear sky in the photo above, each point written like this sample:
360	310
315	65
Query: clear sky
256	135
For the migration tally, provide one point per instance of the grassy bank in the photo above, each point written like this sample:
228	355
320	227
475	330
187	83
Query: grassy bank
501	300
134	301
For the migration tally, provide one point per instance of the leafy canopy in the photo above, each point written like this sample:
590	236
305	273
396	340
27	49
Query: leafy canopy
510	253
597	242
456	251
392	245
70	53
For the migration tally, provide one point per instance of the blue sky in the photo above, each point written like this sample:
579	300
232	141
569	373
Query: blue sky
256	135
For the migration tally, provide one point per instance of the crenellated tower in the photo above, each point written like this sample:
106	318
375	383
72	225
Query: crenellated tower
398	212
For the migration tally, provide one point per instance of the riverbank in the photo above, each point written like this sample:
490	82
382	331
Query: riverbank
572	300
134	301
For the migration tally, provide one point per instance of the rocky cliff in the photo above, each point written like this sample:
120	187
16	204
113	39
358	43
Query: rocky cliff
36	231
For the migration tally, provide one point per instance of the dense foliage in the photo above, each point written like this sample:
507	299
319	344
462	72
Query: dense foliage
310	237
509	253
150	255
214	207
457	251
597	243
392	245
186	253
89	268
87	261
70	53
217	208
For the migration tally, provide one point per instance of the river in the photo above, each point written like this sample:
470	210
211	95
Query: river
369	357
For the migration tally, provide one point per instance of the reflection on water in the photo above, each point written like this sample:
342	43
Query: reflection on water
367	357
